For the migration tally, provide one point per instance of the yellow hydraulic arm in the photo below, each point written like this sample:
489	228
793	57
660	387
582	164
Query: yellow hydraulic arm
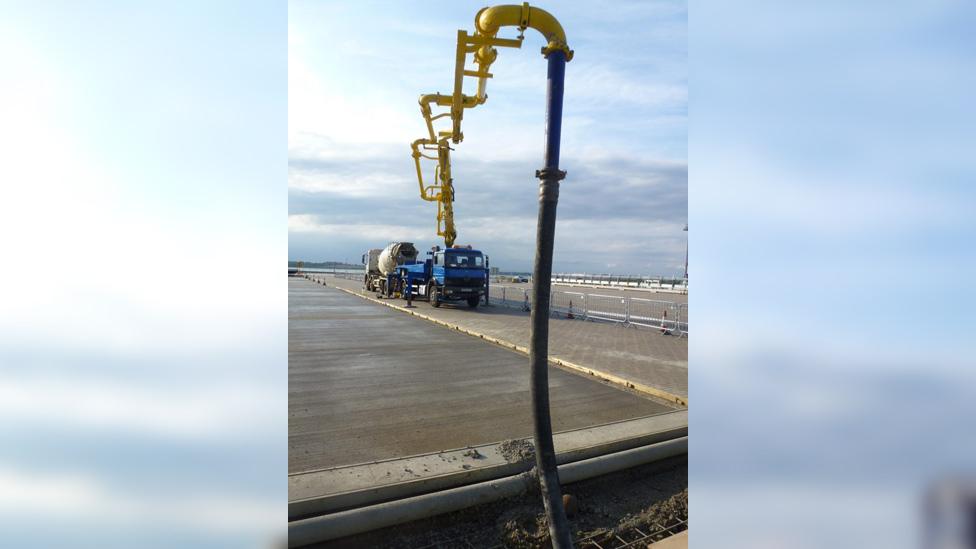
482	45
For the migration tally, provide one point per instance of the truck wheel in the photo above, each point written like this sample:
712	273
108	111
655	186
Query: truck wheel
473	302
434	296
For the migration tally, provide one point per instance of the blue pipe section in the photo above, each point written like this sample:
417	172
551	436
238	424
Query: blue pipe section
554	107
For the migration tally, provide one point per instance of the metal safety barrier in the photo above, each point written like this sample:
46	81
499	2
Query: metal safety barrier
518	298
667	316
606	307
622	281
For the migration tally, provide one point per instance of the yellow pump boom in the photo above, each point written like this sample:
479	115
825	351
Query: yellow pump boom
482	45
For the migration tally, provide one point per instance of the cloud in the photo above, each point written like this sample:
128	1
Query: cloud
613	210
145	241
353	113
596	85
138	408
76	498
869	516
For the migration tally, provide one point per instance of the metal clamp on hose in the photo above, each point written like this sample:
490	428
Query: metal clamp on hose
551	174
549	185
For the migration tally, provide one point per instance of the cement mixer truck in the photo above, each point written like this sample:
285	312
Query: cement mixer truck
448	274
381	266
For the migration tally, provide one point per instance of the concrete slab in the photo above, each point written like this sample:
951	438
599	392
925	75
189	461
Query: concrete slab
641	357
368	383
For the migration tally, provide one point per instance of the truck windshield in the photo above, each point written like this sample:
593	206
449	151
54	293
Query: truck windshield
464	260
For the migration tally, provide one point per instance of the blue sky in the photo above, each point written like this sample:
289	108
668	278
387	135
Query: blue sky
142	400
831	195
356	70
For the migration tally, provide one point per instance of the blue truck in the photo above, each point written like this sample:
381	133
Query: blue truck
458	274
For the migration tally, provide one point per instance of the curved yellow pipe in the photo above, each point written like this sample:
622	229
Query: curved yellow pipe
427	99
443	191
482	44
489	20
430	197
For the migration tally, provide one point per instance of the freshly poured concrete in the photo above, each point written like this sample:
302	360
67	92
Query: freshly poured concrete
642	357
367	383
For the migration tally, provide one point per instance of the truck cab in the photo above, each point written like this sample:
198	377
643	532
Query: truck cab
459	274
449	274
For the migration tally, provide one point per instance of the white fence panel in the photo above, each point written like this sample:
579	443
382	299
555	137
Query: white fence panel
568	303
653	313
607	307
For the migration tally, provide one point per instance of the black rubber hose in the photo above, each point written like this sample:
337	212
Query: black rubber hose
549	178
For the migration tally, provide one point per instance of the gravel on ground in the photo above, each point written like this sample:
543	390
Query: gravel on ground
647	499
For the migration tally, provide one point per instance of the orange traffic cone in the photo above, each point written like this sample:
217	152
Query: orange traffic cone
570	313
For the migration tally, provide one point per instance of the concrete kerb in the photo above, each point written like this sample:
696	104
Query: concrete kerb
350	486
609	378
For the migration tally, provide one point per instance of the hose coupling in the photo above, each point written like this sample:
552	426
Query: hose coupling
550	174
